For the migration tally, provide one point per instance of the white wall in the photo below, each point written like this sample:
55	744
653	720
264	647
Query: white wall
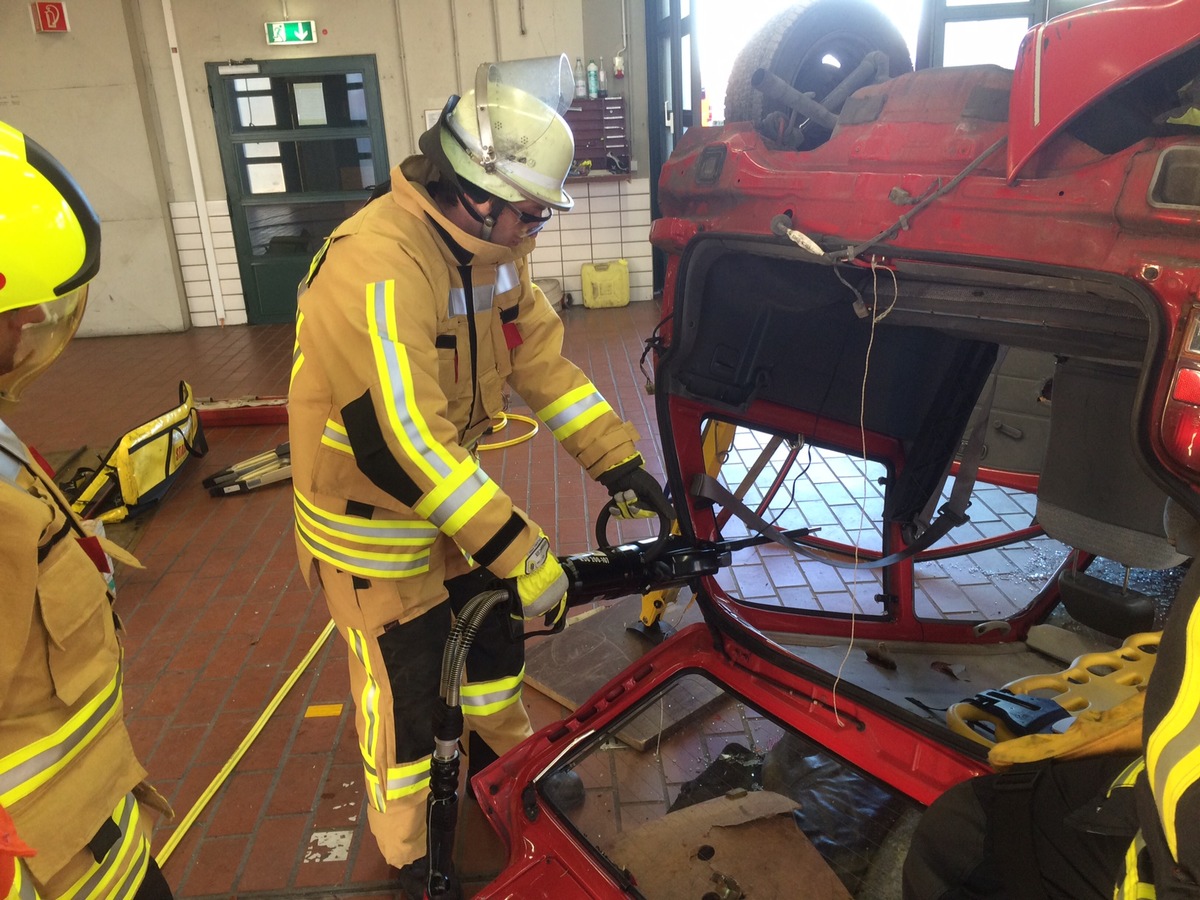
611	220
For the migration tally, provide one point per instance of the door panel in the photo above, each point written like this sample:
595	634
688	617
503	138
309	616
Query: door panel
302	145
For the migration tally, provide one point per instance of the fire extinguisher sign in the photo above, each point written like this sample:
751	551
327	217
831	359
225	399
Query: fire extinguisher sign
50	18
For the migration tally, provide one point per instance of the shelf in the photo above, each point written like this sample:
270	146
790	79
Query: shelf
604	176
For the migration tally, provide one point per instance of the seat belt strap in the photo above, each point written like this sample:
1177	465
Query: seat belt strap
973	449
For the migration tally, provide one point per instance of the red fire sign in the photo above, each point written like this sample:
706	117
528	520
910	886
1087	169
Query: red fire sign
50	17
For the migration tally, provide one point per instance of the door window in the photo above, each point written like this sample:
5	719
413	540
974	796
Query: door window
302	145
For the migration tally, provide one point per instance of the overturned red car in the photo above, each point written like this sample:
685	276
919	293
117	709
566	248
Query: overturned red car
949	277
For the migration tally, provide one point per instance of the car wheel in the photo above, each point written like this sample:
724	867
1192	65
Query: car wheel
812	46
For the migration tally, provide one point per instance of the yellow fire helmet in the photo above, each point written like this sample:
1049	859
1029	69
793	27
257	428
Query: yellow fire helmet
49	251
507	136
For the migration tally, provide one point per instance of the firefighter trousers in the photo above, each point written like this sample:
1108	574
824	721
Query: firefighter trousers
394	678
1031	833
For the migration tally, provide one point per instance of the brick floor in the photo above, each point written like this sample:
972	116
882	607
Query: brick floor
219	617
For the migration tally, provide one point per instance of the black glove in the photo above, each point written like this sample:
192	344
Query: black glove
635	492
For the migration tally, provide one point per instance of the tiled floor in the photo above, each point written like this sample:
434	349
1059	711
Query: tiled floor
219	620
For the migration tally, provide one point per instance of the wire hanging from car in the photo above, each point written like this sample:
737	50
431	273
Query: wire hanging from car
654	344
782	224
876	317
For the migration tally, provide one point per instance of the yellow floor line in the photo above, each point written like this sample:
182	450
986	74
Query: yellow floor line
194	812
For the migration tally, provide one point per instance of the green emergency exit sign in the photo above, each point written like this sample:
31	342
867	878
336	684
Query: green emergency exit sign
298	32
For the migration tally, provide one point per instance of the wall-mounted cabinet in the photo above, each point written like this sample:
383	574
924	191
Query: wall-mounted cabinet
600	129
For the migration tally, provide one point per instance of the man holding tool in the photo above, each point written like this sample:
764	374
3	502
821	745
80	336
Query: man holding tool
415	313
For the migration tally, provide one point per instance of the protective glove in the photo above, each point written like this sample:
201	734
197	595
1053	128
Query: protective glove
635	492
541	582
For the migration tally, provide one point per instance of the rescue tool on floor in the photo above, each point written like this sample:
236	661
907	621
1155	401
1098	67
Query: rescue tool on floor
269	467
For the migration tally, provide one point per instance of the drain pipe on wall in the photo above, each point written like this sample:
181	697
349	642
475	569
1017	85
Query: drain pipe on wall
189	135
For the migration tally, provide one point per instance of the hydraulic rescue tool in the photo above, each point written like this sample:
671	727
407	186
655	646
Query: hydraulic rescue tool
668	561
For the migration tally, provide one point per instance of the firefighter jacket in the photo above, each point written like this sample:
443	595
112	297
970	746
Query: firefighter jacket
66	761
1163	859
407	330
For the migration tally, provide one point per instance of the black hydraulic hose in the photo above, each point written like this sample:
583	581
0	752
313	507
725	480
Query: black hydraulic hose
441	807
462	635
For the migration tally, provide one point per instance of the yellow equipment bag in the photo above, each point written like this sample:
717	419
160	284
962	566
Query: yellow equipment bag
141	466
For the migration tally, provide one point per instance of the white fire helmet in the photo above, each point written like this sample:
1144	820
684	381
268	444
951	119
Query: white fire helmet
507	135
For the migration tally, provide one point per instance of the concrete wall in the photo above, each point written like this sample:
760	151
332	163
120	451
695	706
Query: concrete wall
105	99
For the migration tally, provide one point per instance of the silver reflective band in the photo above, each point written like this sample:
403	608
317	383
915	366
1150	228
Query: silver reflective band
17	772
574	411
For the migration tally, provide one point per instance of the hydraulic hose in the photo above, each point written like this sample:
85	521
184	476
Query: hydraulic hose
441	807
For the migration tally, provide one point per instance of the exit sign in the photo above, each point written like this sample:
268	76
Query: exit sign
302	32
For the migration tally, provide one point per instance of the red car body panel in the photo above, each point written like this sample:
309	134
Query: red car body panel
548	860
1059	74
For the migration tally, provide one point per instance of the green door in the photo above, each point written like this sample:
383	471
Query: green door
302	144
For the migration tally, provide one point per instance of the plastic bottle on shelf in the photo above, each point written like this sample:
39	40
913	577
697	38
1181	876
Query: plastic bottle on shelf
593	80
601	81
580	79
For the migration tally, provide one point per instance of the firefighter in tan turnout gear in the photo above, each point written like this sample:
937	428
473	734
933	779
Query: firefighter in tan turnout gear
415	314
68	774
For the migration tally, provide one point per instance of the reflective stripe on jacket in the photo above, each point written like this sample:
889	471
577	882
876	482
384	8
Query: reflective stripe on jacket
1164	859
407	332
65	756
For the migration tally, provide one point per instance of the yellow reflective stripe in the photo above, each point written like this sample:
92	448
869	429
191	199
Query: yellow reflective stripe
25	770
398	532
483	698
407	779
574	410
1128	775
395	376
368	708
119	875
1129	885
1180	777
1126	888
22	886
367	563
1171	761
316	261
335	436
297	355
458	498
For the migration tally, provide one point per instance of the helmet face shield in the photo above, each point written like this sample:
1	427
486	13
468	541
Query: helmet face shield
507	135
32	337
49	251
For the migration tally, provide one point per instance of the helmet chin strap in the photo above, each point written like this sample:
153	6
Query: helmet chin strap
489	221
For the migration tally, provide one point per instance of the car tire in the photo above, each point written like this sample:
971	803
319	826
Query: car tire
795	44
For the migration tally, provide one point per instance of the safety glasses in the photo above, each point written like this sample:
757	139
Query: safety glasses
531	218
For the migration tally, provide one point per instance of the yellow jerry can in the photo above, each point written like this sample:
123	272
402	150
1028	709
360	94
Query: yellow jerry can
606	284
